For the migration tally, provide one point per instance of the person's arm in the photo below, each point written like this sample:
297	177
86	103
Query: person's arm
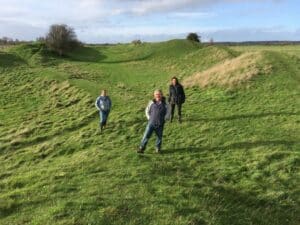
96	103
147	110
168	112
110	104
183	94
169	98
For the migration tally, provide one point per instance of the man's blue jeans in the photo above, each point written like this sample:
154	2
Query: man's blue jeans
148	132
103	117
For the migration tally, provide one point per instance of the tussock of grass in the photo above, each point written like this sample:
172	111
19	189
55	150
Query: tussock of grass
232	72
75	72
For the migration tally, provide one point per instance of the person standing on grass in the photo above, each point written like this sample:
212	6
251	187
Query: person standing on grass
156	113
103	104
176	97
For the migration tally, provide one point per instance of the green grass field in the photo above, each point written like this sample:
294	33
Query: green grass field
233	161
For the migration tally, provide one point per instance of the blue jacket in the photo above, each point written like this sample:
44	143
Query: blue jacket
103	103
157	113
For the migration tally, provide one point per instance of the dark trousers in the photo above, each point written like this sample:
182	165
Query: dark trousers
103	117
178	110
148	132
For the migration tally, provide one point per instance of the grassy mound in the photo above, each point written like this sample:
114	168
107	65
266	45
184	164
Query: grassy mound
233	160
35	109
8	60
232	72
124	53
35	54
199	60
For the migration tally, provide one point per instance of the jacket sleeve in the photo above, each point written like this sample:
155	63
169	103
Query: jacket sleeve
169	98
110	104
147	110
183	94
96	103
168	112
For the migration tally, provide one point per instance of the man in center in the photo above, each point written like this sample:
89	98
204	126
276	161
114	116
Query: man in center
156	112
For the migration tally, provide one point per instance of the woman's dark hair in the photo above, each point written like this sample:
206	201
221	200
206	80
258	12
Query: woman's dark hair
177	82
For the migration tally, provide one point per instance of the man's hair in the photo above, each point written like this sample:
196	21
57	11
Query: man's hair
158	90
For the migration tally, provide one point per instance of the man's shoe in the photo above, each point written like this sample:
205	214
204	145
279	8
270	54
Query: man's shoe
140	150
158	150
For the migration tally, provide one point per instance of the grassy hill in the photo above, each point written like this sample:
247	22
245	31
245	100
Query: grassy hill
234	159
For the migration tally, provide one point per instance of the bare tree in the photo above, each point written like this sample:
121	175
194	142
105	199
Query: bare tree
61	38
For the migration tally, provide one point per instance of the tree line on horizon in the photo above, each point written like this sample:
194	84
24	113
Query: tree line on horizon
11	41
62	38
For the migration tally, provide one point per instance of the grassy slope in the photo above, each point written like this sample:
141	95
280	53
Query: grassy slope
287	49
234	160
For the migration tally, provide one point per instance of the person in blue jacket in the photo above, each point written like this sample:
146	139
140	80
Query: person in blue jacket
157	112
103	104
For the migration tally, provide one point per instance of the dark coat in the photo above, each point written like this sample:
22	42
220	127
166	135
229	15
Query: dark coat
176	94
157	114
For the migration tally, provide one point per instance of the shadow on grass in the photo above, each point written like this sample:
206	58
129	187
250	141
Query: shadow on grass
40	54
7	207
242	116
237	145
12	204
129	60
10	60
89	54
85	54
231	206
193	118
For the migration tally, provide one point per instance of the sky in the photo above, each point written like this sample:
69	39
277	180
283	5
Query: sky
113	21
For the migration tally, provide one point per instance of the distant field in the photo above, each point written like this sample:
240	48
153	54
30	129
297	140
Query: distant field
234	160
289	49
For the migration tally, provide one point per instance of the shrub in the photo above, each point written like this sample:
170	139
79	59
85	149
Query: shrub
193	37
41	39
136	42
61	39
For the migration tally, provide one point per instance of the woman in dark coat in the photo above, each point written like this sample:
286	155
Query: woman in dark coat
176	97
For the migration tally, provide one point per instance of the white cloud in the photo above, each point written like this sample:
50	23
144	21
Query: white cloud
44	13
40	13
193	14
95	20
152	6
144	7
